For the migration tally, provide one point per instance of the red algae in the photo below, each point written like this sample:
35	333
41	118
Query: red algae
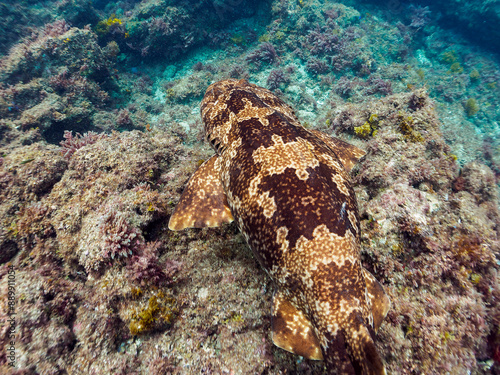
102	286
197	300
434	247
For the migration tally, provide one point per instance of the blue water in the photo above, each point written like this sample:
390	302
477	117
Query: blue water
337	50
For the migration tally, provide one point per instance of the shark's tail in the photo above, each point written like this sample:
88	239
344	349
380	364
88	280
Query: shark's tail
364	355
352	352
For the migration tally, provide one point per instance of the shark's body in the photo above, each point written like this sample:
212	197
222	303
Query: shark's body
288	190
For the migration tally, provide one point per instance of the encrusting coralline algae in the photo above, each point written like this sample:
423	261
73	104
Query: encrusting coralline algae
102	286
429	233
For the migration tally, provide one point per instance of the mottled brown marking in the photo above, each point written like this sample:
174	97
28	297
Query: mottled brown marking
276	158
258	113
289	191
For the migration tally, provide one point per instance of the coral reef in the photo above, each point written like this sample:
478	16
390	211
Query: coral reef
431	234
55	81
277	78
95	222
100	130
72	143
72	217
265	53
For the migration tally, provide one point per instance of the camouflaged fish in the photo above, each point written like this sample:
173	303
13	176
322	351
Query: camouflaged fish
288	190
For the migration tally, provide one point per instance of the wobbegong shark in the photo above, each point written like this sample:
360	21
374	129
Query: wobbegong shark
289	192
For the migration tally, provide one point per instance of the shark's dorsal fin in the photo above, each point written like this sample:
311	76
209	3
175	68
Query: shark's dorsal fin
203	202
347	153
292	331
379	300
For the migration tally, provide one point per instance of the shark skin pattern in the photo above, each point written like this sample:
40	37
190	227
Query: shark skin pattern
289	191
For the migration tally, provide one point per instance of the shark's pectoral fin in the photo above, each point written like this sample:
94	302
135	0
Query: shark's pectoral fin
379	300
347	153
292	331
203	202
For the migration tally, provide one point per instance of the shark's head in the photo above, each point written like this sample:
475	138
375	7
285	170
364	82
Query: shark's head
225	98
216	114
